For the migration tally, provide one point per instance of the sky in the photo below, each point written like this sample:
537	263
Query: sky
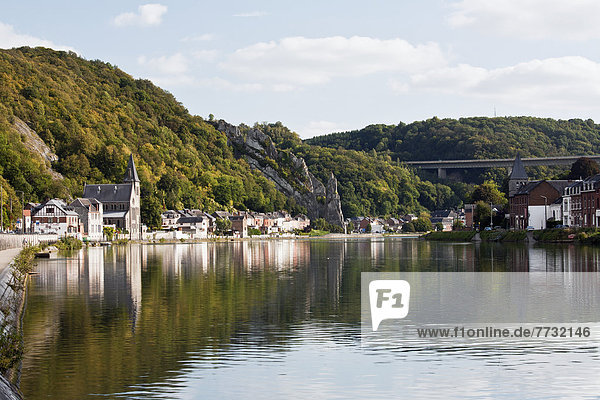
331	65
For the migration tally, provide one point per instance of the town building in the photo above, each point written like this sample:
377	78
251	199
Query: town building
444	217
55	217
169	219
120	202
196	226
90	217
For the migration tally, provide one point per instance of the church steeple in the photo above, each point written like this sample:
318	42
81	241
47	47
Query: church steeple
518	170
131	173
518	176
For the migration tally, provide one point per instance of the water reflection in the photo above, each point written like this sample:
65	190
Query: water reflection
151	320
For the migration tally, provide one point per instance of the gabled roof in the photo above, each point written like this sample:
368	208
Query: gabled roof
107	193
518	170
59	204
528	187
90	204
559	185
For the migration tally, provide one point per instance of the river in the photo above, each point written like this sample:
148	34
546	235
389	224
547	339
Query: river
273	319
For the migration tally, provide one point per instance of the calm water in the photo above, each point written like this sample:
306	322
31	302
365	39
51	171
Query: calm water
273	319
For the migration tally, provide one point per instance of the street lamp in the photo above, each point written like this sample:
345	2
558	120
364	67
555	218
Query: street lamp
545	210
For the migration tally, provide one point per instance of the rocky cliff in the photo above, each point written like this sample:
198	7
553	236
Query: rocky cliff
288	172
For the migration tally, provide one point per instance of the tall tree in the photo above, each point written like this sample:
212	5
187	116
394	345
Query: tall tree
583	168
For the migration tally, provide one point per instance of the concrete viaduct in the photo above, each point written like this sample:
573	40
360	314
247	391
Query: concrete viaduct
443	165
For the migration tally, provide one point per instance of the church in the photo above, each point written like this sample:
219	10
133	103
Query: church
120	202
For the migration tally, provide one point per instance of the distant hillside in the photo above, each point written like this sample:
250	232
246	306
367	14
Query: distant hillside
65	121
468	138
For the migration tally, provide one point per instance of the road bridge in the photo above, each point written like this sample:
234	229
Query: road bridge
443	165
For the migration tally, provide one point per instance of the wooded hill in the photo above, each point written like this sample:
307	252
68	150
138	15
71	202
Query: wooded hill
65	121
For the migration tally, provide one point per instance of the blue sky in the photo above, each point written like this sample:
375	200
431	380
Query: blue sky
324	66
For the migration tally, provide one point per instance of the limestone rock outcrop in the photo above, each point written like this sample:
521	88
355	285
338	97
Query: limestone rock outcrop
288	172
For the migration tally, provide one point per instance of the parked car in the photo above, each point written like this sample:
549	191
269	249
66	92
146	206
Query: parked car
530	228
487	228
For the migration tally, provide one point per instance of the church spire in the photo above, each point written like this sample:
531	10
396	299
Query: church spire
518	170
131	173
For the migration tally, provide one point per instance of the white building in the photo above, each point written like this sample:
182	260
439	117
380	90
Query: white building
55	217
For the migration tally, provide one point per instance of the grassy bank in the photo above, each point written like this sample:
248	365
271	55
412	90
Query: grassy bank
453	236
486	236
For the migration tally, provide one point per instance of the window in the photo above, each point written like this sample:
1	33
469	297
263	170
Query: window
50	210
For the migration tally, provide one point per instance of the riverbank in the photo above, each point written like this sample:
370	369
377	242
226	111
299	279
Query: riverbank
573	235
15	265
326	236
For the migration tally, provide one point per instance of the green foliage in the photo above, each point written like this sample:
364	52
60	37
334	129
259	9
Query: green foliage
11	347
350	227
254	232
423	224
583	168
482	213
488	192
222	225
463	236
374	185
439	226
320	224
69	243
473	138
108	232
408	227
94	115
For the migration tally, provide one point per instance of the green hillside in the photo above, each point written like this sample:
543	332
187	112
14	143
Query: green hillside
471	138
92	115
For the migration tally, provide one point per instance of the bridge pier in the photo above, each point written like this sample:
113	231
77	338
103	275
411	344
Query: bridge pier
442	173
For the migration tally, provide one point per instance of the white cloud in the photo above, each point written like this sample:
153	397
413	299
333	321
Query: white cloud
251	14
205	55
206	37
147	15
167	65
533	19
553	83
297	61
9	39
224	84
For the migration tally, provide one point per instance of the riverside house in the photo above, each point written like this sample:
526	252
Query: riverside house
54	216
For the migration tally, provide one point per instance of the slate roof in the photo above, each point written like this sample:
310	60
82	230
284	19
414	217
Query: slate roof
558	185
90	204
109	193
115	214
190	220
518	170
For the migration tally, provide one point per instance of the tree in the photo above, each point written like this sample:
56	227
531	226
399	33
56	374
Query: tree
350	227
423	224
408	227
482	213
439	226
583	168
150	210
488	192
368	228
109	232
223	225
